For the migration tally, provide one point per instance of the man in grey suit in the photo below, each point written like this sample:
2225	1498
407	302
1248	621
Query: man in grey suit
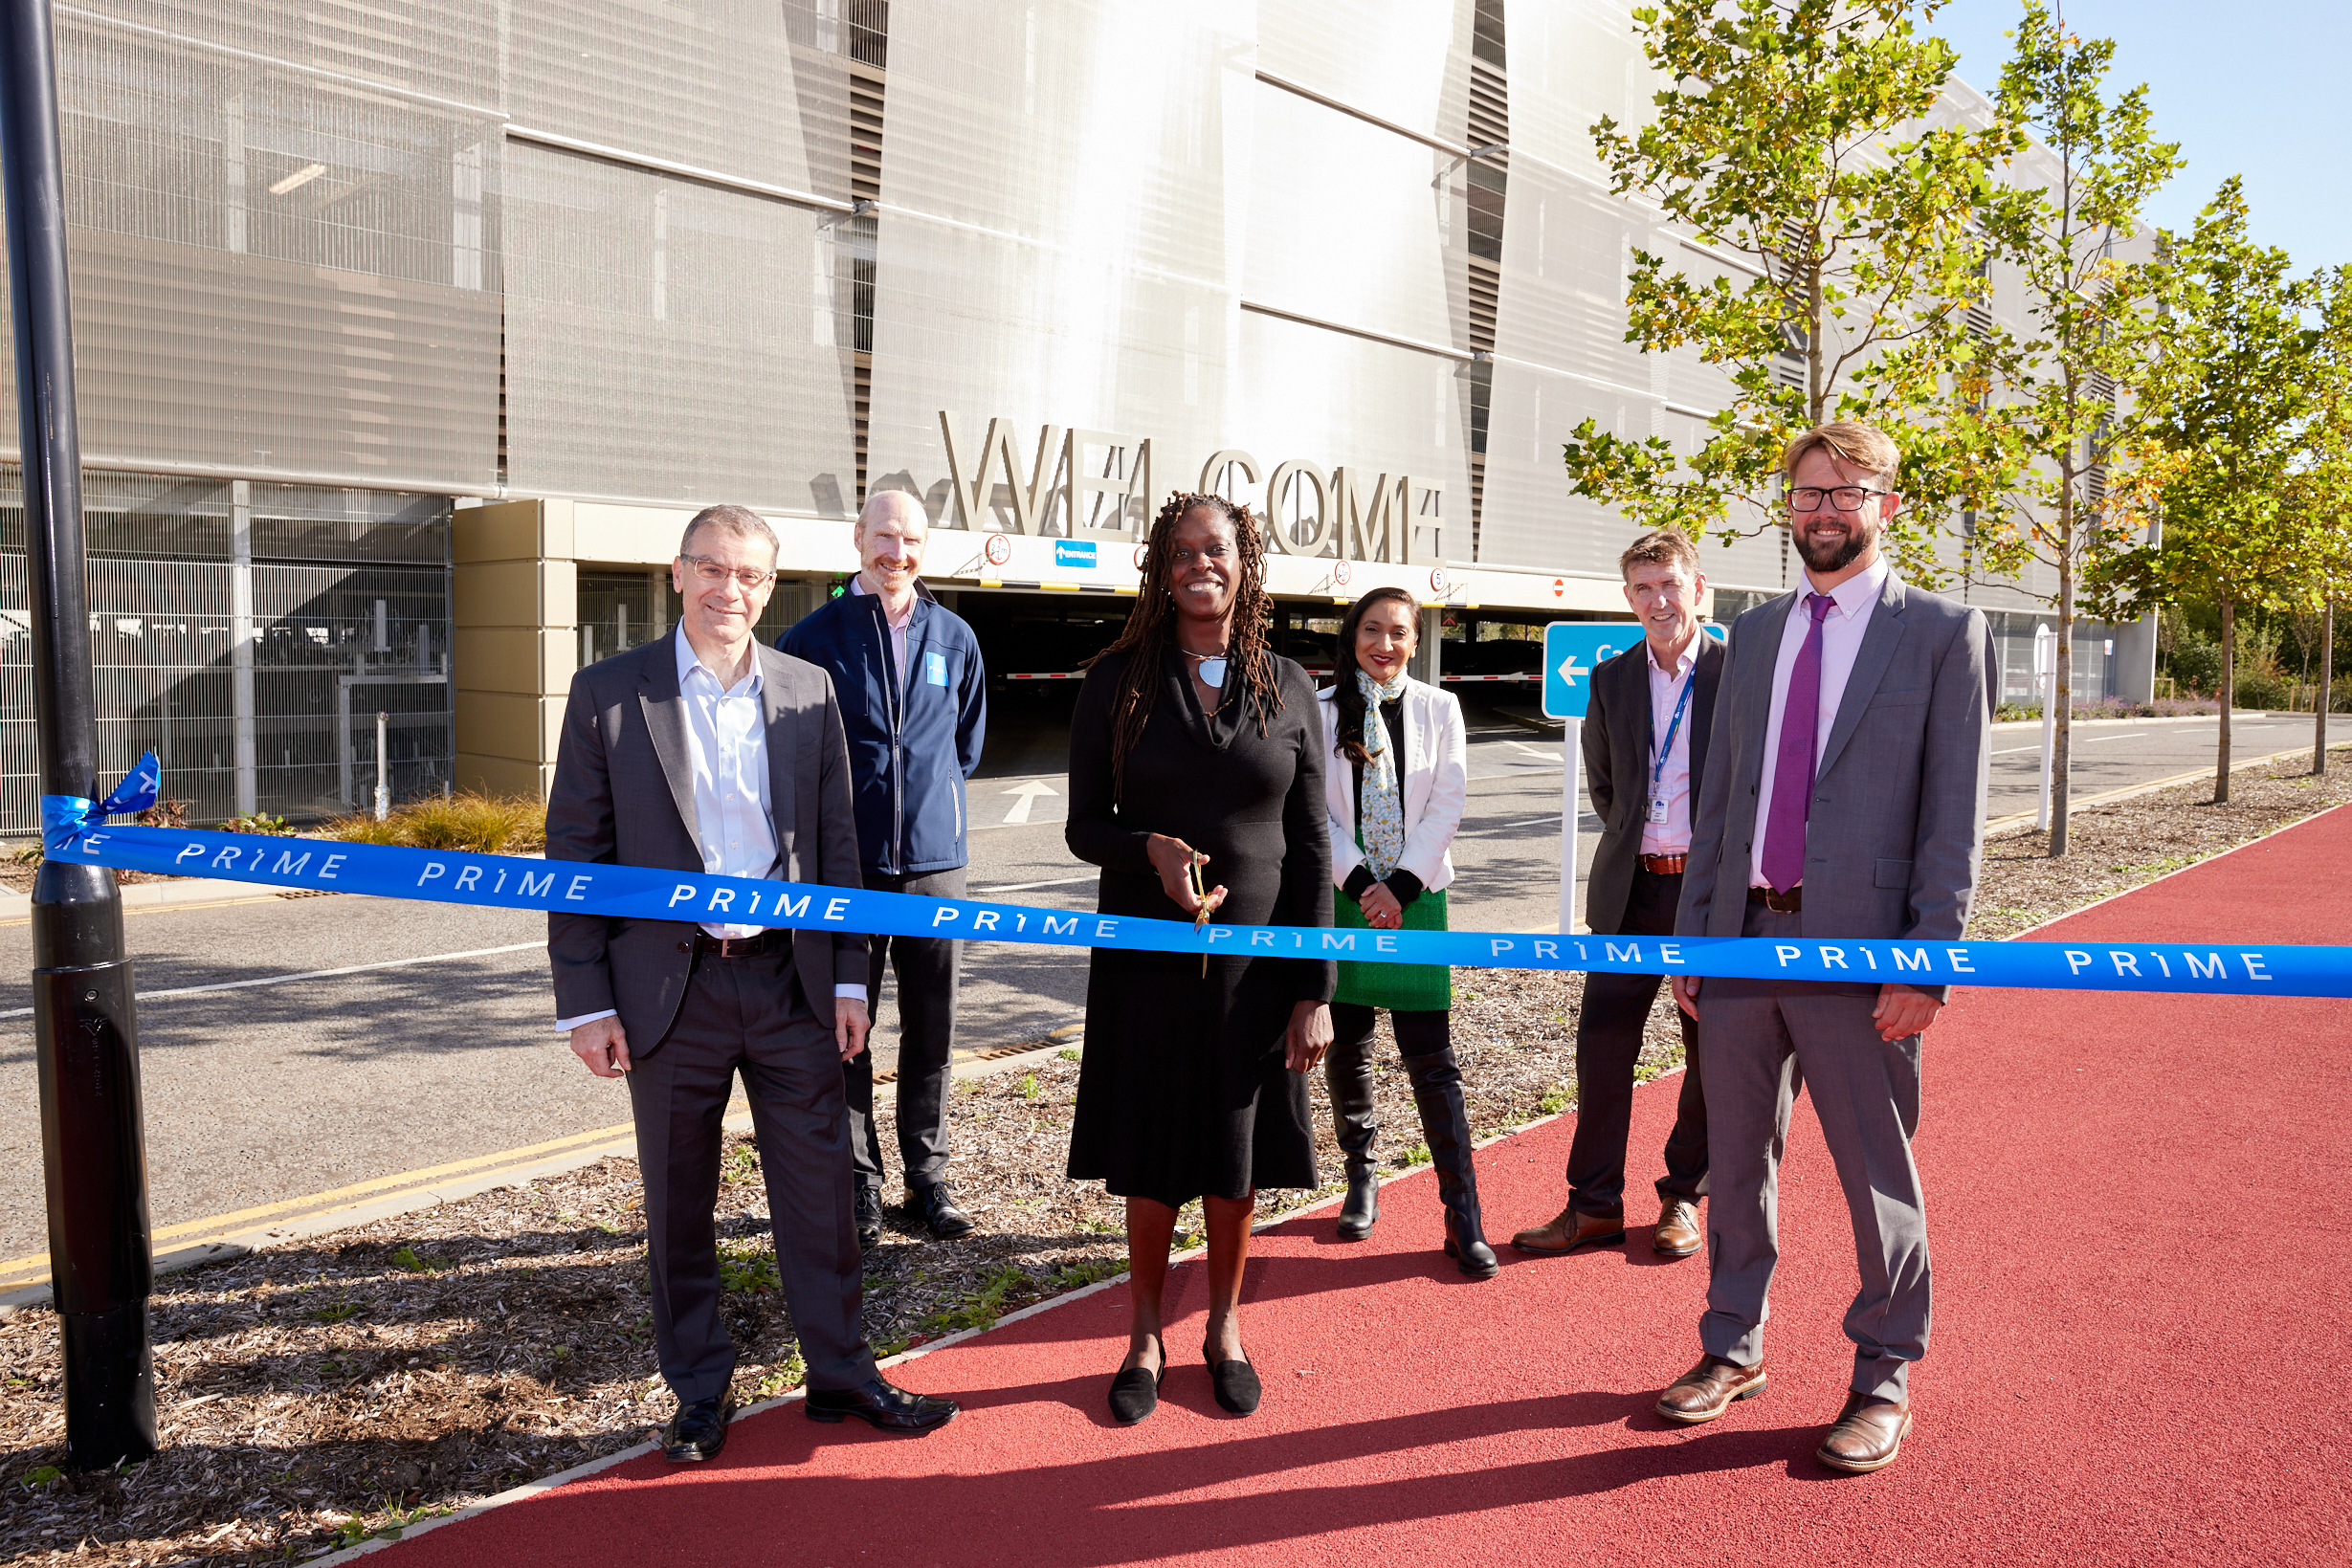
703	752
1846	799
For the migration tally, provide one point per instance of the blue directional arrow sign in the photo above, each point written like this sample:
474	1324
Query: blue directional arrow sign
1570	650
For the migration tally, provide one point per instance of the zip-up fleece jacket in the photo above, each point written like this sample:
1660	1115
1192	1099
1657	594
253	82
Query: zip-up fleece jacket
913	741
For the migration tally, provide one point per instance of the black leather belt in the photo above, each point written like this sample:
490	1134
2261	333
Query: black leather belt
773	939
1780	903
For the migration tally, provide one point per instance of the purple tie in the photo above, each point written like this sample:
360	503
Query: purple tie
1792	769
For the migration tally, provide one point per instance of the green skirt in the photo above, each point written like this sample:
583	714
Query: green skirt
1401	988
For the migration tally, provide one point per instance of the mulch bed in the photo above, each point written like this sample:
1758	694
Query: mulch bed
316	1394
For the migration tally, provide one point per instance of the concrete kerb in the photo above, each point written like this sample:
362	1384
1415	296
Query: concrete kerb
142	895
310	1227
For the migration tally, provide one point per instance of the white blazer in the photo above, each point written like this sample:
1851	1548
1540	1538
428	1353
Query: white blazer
1435	779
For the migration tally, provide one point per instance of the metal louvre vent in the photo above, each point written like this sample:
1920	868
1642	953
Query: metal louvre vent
671	341
1059	241
761	90
275	272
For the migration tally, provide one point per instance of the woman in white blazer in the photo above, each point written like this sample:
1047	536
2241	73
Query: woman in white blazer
1395	780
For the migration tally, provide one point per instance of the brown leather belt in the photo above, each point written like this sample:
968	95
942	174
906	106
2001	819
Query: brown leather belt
1780	903
773	939
1663	865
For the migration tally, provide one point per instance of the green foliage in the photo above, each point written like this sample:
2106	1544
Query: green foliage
742	1164
334	1312
1799	138
1555	1100
743	1265
1072	1276
980	1309
257	822
1417	1154
41	1476
1069	1053
1028	1087
415	1263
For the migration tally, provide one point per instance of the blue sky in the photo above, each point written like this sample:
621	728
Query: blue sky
2256	88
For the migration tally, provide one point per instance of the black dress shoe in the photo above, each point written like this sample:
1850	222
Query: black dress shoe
939	1211
882	1405
1234	1383
1134	1393
868	1216
697	1431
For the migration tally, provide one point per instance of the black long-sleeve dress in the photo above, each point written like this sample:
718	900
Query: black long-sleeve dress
1183	1092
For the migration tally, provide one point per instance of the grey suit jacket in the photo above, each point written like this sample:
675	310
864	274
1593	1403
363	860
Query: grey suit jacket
1618	737
624	794
1898	815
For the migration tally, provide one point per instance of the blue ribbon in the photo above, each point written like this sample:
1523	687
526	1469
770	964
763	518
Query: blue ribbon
63	816
646	894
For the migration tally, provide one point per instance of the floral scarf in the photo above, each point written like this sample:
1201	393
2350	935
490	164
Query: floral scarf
1380	811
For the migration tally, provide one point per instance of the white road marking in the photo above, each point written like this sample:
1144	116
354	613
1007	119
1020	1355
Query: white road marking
1024	887
1029	792
313	974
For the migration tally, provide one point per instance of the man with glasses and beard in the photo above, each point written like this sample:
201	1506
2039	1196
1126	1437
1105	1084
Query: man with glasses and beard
1846	799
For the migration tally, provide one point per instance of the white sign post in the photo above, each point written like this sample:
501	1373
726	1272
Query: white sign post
2045	680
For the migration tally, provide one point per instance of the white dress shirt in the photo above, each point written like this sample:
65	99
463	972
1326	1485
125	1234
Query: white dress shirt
897	628
1841	640
726	749
1673	837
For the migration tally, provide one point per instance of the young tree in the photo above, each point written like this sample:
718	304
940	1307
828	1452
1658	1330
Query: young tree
2321	488
2216	433
2052	414
1799	138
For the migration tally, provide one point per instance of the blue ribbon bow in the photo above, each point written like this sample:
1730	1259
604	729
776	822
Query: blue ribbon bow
64	816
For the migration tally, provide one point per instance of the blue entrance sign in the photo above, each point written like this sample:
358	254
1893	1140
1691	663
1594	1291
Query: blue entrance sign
1570	650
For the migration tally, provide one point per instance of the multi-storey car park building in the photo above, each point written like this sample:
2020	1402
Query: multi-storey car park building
411	331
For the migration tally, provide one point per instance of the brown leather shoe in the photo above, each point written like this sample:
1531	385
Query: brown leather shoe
1678	1233
1708	1389
1868	1434
1567	1230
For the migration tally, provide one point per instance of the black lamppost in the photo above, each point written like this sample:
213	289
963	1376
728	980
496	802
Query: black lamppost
94	1154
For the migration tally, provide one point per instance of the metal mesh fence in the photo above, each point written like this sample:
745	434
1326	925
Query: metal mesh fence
349	597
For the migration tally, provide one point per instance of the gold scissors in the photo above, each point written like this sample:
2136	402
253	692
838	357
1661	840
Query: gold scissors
1200	896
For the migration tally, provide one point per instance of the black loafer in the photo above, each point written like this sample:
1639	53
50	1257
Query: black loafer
868	1216
1134	1393
884	1406
697	1431
940	1213
1234	1383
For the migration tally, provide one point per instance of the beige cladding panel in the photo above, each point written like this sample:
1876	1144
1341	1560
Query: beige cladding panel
521	659
522	594
503	774
509	724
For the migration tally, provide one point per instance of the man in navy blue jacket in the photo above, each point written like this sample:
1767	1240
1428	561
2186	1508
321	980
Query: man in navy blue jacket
913	700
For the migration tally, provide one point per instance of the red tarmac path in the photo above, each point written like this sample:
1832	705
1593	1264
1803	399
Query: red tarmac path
2137	1205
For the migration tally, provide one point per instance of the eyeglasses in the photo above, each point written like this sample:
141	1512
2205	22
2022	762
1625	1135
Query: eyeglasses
1847	497
712	573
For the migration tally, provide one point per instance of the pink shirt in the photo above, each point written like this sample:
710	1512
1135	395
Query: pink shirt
897	628
1841	640
1673	837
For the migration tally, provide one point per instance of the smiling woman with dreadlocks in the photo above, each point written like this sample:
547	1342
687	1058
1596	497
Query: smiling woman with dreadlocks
1196	762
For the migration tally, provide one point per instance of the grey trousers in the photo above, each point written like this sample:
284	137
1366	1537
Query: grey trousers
747	1015
926	969
1760	1040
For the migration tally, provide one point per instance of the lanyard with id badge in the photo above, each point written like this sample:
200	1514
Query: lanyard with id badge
1658	770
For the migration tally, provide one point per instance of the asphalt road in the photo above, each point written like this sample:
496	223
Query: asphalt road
275	1091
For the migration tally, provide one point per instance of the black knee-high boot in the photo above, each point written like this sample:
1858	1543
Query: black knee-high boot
1437	1094
1347	1072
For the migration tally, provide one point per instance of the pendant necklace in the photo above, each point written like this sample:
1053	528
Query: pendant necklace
1213	667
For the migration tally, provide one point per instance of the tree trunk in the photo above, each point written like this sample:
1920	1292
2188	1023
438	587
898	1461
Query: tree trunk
2229	694
2061	748
2327	683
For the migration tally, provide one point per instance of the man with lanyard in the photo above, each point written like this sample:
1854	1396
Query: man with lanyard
1645	738
913	700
